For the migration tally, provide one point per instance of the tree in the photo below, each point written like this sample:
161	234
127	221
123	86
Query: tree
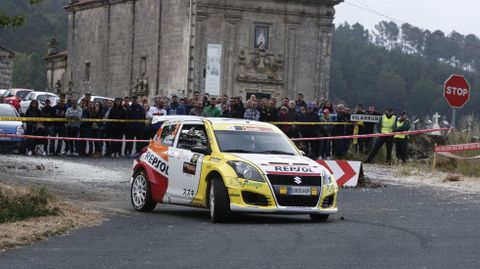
7	21
387	34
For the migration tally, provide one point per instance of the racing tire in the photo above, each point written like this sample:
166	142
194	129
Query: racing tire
218	201
319	217
140	193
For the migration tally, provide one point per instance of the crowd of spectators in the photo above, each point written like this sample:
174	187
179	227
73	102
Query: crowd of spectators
138	108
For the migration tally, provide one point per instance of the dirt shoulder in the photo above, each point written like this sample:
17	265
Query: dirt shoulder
422	176
88	191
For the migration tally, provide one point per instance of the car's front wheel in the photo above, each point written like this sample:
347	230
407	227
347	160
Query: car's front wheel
319	217
140	193
218	201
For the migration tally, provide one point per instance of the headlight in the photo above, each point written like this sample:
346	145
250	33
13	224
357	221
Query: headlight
327	179
246	171
20	130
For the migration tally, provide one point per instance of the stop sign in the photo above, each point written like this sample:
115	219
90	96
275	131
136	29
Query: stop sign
456	91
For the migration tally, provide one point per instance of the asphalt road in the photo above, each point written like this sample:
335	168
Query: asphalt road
391	227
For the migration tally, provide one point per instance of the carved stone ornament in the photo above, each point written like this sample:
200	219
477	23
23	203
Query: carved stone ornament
260	65
141	86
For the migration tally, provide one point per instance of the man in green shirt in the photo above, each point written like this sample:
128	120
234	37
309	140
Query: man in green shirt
211	110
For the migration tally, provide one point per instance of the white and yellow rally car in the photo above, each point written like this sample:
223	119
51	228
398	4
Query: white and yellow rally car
230	165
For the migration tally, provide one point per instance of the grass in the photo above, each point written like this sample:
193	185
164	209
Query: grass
28	215
17	204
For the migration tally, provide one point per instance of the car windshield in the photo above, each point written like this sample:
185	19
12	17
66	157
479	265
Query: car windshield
7	111
22	94
42	98
254	142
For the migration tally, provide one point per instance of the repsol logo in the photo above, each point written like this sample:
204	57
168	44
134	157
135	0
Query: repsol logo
293	169
157	163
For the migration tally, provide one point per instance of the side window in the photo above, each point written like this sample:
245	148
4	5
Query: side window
167	137
192	135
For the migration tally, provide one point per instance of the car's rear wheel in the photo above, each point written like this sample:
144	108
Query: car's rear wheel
218	201
140	193
319	217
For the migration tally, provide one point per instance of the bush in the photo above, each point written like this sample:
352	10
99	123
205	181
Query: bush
18	205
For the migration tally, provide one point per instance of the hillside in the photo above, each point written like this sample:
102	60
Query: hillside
386	70
44	21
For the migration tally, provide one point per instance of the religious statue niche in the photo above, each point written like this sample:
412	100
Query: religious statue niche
261	37
141	86
260	65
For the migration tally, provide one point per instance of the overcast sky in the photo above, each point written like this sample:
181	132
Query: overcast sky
446	15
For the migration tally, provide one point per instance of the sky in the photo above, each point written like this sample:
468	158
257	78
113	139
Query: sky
460	15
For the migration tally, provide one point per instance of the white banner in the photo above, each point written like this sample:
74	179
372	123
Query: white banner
212	80
365	118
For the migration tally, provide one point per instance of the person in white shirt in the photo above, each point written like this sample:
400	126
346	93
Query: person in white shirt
157	110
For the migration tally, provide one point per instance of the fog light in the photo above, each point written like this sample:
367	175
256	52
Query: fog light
314	191
283	190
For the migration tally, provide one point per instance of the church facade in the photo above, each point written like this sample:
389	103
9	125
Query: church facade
271	48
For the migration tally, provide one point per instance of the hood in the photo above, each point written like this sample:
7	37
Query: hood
284	164
9	127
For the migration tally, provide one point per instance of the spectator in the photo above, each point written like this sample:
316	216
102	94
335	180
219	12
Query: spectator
252	113
158	109
292	111
369	128
85	129
135	130
58	128
237	110
401	145
198	109
341	146
98	128
47	113
73	116
300	102
283	117
361	144
306	114
32	112
115	129
211	110
175	107
269	112
226	111
326	131
386	125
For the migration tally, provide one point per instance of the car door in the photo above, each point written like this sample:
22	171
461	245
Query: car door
185	182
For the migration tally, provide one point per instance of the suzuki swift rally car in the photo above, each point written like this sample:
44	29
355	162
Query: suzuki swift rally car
230	165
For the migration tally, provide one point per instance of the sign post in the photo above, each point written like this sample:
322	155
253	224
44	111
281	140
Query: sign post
456	92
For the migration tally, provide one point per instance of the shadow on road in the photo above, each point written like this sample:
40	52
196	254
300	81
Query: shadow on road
203	215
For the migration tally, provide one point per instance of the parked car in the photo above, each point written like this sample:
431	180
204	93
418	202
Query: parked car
11	127
41	97
2	92
15	96
96	99
227	166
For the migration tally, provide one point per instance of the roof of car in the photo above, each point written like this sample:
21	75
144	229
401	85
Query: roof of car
236	121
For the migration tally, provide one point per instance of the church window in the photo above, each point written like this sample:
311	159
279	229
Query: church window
87	71
261	36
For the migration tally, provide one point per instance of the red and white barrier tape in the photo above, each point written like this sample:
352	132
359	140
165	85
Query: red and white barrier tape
458	147
72	138
370	135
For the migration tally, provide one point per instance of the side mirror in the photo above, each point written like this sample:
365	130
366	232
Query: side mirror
202	150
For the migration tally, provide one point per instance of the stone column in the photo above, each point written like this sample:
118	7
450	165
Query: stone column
323	60
200	52
291	56
230	55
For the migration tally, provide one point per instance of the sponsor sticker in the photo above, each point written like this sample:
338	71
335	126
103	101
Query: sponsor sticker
157	163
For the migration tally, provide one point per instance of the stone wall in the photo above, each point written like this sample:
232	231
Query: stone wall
6	66
123	42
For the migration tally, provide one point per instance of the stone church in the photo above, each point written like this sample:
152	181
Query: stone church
271	48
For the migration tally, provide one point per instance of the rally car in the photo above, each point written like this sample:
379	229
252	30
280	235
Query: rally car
230	165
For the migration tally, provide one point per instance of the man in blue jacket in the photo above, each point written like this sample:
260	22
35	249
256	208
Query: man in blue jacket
134	130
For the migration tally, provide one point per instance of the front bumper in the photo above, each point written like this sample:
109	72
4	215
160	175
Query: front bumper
283	210
267	199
